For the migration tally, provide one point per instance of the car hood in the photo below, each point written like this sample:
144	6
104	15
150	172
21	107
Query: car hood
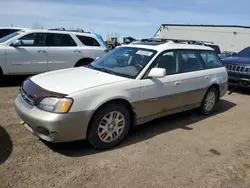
71	80
238	60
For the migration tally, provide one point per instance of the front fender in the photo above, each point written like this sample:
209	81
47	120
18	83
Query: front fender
92	99
3	62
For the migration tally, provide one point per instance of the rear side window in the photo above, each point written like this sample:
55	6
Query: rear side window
59	40
88	41
190	61
215	47
211	59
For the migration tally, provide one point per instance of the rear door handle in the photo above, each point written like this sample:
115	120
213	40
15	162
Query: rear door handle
41	51
178	83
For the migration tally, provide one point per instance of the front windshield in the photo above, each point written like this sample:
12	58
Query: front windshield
244	53
124	61
10	36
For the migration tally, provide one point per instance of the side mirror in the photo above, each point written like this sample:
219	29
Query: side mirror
17	43
157	73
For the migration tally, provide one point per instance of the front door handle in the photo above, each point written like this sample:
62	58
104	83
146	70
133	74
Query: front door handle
77	51
41	51
207	77
177	83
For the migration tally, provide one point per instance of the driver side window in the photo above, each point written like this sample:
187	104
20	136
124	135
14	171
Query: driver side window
33	39
167	60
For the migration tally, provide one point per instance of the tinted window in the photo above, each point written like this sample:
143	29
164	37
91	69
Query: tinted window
215	47
88	41
211	59
33	39
124	61
10	36
5	32
169	61
244	53
54	39
190	61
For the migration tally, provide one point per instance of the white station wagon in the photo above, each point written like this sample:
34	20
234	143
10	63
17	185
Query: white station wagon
128	86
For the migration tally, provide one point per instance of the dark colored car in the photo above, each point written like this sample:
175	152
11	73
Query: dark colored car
225	54
238	67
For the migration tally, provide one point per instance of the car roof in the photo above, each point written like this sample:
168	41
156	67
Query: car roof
168	46
59	31
20	28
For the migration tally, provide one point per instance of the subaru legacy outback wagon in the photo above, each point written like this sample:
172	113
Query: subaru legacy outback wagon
130	85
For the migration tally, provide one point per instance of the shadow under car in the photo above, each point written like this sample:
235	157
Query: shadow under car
142	132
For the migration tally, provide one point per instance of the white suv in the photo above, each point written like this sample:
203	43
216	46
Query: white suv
36	51
130	85
4	31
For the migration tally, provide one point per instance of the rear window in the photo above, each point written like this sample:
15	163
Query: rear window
211	59
215	47
88	41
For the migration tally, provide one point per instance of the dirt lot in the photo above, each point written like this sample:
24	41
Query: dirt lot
183	150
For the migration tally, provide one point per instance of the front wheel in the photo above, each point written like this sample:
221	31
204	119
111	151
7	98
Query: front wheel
109	126
209	102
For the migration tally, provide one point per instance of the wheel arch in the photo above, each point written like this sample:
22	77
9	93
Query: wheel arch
121	101
217	87
86	60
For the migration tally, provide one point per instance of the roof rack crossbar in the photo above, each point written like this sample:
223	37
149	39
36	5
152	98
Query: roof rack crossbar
72	30
164	40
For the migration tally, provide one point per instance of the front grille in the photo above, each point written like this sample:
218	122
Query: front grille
238	68
28	98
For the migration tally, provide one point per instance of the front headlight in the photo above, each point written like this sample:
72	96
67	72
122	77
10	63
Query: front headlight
57	105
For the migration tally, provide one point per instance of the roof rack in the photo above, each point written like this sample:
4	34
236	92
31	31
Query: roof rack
71	30
165	40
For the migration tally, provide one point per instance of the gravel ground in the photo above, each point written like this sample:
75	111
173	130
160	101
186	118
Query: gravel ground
182	150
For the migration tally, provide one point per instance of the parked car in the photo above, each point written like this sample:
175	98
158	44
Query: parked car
238	67
36	51
128	86
4	31
225	54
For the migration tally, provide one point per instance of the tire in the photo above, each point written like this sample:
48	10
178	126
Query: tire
83	63
214	96
110	47
100	137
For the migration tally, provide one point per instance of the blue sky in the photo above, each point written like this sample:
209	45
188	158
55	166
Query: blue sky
137	18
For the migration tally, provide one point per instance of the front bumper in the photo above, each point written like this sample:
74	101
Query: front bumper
237	79
53	127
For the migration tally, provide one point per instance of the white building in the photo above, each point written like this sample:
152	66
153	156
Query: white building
228	37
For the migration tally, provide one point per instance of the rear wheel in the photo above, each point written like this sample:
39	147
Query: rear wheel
110	47
109	126
84	63
209	102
